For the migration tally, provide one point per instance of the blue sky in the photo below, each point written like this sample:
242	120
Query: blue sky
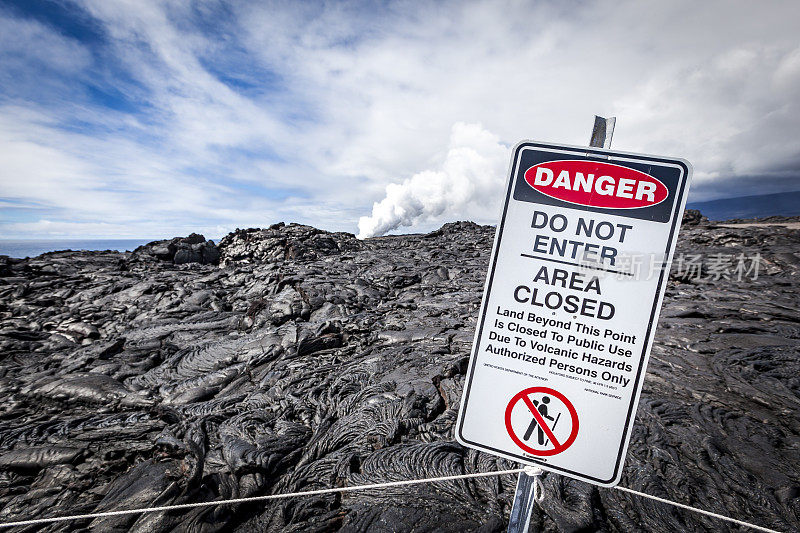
145	118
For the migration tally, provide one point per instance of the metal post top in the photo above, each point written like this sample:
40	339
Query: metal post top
602	132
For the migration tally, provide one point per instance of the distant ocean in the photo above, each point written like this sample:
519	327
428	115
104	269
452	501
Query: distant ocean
32	248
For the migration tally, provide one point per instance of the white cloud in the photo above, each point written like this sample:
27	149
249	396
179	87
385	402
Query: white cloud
363	103
709	82
52	51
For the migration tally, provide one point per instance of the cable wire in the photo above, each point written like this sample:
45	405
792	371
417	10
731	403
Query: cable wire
257	498
388	484
696	510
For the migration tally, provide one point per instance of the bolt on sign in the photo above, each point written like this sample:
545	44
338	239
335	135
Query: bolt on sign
577	275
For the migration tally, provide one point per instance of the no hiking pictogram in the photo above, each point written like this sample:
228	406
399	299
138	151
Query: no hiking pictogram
541	421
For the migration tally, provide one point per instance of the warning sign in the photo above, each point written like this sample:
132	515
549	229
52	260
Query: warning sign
575	284
532	421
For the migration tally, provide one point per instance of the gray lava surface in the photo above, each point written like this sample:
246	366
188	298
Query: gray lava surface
289	359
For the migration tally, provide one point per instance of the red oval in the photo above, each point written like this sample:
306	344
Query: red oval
596	184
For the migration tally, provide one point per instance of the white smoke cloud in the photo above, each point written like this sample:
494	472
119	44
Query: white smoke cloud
468	179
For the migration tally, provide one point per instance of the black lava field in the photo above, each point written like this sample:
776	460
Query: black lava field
290	359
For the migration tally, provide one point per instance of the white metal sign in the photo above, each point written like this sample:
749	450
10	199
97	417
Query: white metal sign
576	279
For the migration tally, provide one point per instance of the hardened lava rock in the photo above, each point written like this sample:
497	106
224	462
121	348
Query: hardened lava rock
311	360
180	250
693	217
280	242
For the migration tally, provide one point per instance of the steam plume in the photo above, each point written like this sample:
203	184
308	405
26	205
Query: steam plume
467	185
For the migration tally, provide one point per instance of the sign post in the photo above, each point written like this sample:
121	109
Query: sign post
574	289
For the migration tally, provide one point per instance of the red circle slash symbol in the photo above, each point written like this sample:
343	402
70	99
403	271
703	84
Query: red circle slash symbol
532	400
